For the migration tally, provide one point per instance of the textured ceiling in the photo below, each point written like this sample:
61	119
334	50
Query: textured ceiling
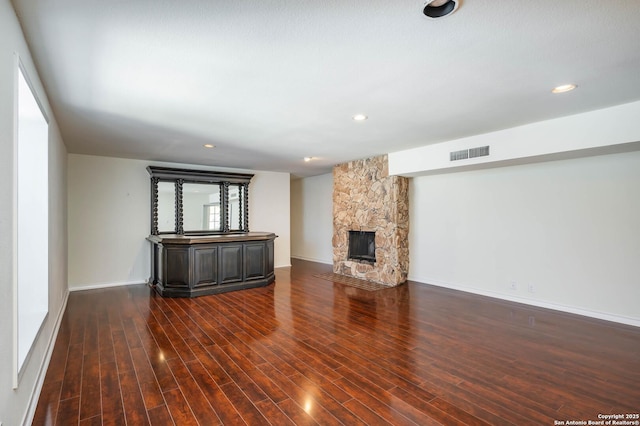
270	82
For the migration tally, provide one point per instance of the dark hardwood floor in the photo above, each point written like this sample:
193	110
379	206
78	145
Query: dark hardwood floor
309	351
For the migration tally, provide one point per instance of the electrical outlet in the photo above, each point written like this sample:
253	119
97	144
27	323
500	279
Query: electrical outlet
532	288
513	285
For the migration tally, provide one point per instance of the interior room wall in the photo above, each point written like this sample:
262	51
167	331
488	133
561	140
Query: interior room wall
269	210
109	205
603	131
17	406
312	218
568	228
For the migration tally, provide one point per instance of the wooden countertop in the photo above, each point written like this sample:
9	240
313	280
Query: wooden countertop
211	238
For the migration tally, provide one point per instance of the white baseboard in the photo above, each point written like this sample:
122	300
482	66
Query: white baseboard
105	285
313	260
35	396
538	303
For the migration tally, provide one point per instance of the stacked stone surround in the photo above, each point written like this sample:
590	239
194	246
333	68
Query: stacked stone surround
366	198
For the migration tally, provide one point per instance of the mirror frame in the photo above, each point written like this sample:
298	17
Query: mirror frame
181	176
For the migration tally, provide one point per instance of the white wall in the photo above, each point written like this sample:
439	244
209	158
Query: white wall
570	228
16	406
109	204
567	226
614	129
269	198
312	218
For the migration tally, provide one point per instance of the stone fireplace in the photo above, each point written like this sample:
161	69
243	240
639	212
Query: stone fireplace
367	199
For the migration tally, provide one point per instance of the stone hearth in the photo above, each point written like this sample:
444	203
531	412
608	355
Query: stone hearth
366	198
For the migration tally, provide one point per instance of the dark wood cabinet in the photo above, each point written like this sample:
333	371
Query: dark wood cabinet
188	266
206	266
255	265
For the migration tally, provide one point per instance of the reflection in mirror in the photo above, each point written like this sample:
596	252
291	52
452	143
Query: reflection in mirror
201	207
166	207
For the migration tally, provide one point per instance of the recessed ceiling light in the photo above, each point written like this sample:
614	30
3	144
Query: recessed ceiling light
307	159
564	88
439	8
360	117
208	145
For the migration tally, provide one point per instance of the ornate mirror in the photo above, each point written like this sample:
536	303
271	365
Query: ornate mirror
197	202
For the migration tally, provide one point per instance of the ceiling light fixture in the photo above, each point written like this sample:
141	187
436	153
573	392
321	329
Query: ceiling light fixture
564	88
208	145
307	159
359	117
439	8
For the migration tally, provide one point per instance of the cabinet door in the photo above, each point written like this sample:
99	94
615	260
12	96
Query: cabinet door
176	267
206	266
255	260
230	263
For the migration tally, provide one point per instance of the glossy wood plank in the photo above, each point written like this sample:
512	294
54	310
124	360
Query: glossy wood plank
73	373
223	408
134	408
149	387
112	410
159	416
271	411
90	402
243	404
179	408
68	411
91	421
197	401
308	351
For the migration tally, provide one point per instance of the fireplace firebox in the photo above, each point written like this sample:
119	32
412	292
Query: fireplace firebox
362	246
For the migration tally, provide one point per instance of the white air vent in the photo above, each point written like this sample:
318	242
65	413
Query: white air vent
481	151
459	155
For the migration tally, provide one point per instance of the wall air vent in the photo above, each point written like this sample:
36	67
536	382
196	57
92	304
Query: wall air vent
459	155
481	151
